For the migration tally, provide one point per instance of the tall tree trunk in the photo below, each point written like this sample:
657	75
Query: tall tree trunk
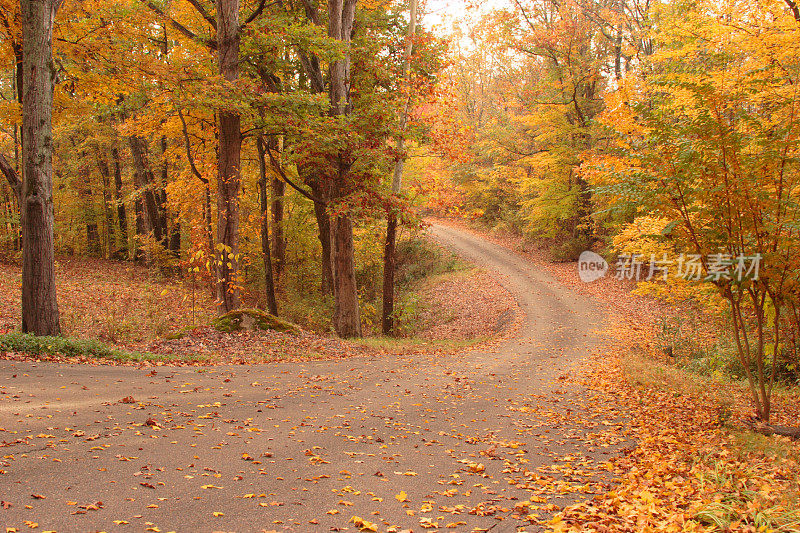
39	307
163	215
15	182
325	240
269	282
346	318
108	215
122	214
278	235
18	167
147	211
228	163
389	249
389	265
175	240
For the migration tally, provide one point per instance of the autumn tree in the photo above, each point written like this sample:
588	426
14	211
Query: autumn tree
387	317
35	188
706	139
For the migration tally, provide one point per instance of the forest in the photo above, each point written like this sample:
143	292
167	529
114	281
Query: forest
567	229
260	149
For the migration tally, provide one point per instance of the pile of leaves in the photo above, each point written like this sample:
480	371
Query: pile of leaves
488	309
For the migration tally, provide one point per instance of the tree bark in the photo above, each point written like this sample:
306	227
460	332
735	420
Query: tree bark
346	317
39	306
122	214
15	183
325	240
228	163
389	255
347	320
147	210
161	197
108	215
269	282
278	235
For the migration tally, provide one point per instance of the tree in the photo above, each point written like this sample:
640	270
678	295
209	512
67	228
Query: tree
387	317
706	138
331	182
35	189
229	175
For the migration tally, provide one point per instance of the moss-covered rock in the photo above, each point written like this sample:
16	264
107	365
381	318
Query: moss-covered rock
253	319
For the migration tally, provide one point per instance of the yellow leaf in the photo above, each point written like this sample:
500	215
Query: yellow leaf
364	525
402	497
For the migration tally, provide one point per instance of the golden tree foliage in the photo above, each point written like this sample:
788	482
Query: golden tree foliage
706	138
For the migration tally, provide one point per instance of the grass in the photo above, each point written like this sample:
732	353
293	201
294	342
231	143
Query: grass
644	371
31	344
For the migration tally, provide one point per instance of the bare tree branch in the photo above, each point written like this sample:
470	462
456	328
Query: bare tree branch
795	9
11	175
203	13
311	12
188	143
255	14
210	43
285	178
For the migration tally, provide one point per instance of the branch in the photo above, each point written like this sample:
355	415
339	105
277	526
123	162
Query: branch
311	12
765	428
255	14
196	172
795	9
203	13
11	175
285	178
209	43
311	66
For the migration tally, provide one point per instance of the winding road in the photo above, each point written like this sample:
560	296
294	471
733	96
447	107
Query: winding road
420	442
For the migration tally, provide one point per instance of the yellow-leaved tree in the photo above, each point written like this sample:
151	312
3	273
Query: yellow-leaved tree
705	137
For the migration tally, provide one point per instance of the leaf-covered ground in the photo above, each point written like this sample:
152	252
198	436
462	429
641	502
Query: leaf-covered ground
137	309
695	466
571	425
490	439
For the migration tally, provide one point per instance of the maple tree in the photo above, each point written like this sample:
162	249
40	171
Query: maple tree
586	124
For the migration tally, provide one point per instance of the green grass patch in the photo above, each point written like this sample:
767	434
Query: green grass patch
31	344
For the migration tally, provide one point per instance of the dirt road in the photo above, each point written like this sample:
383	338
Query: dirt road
419	442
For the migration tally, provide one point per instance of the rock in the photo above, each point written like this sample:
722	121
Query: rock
253	319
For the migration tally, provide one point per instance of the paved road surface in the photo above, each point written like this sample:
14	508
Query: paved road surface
303	447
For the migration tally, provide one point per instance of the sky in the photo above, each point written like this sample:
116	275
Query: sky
442	13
